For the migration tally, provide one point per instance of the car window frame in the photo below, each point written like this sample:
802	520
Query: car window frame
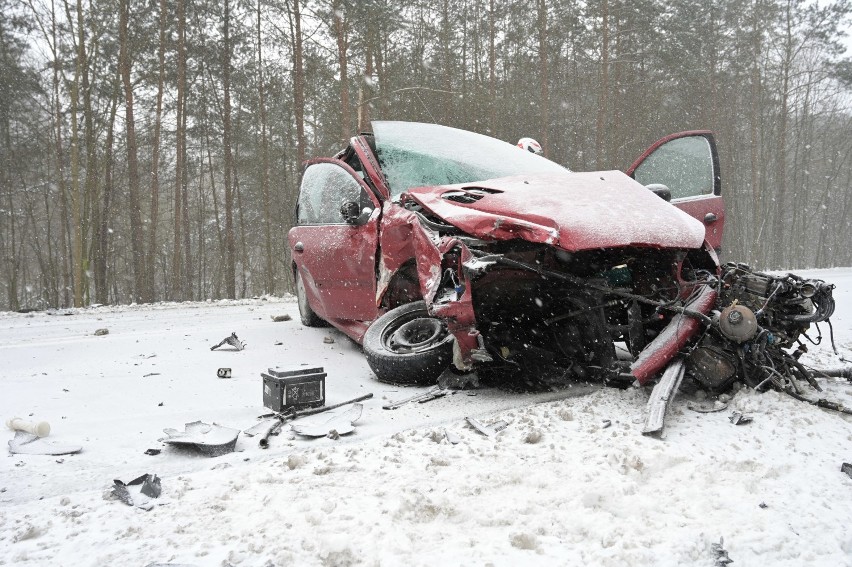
365	191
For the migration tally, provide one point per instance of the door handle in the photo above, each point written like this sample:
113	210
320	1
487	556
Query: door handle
710	218
299	247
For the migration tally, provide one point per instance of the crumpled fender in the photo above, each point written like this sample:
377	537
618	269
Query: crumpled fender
672	338
404	237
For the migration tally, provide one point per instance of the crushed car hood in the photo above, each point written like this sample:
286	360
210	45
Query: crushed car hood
574	211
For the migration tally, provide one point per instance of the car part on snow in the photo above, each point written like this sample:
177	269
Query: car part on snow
335	426
152	452
281	418
662	394
149	487
739	418
707	407
281	318
297	389
29	444
208	439
452	437
231	341
223	373
846	468
843	372
489	429
407	345
720	555
38	428
758	318
430	394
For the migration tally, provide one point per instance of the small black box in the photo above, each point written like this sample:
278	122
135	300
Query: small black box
293	389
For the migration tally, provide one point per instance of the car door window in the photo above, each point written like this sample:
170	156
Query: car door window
684	165
325	187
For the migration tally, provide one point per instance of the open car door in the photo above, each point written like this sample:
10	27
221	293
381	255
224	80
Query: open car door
687	164
334	243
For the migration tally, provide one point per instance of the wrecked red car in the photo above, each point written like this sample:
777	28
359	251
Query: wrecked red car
439	248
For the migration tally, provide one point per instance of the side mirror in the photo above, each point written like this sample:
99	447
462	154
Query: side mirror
351	212
660	191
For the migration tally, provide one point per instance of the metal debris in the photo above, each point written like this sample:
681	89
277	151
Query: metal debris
208	439
339	424
721	556
149	487
490	429
662	395
430	394
846	468
738	418
233	341
223	373
715	406
29	444
101	332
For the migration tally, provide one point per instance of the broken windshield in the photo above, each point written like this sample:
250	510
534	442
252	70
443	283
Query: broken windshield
414	154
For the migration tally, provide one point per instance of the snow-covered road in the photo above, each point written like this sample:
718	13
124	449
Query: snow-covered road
556	487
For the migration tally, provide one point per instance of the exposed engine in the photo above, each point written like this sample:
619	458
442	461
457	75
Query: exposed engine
761	317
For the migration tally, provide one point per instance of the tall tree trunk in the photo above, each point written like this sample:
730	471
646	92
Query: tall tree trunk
544	103
230	247
150	263
77	260
137	238
298	85
64	264
603	95
101	230
492	71
178	280
340	29
264	152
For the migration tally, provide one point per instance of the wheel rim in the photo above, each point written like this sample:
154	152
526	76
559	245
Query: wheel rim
415	335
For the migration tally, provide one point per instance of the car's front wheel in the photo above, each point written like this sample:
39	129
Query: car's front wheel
408	346
309	318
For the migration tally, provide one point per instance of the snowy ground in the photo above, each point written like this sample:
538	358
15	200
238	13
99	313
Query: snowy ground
554	488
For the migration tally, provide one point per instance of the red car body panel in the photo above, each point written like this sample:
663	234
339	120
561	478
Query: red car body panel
577	211
672	338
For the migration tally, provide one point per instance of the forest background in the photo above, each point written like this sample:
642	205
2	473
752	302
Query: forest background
150	149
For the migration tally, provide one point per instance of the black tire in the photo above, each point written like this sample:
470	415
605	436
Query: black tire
408	346
309	318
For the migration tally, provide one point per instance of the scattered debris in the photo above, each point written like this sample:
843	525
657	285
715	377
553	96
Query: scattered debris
738	418
296	389
292	414
149	487
153	451
29	444
763	505
328	340
430	394
606	423
41	428
721	556
280	318
707	407
101	332
661	396
452	437
208	439
151	374
233	341
340	424
846	468
261	427
490	429
223	373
